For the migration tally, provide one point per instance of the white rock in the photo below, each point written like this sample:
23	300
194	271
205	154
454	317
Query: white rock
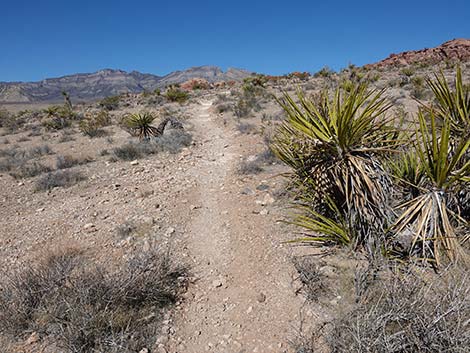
89	226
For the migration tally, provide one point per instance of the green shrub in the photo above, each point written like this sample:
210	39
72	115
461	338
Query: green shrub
174	94
408	71
325	72
92	125
58	118
110	103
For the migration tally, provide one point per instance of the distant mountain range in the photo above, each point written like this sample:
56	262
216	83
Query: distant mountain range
107	82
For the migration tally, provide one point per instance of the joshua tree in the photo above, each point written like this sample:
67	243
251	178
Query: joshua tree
68	102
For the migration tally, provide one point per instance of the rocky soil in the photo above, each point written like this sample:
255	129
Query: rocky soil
222	224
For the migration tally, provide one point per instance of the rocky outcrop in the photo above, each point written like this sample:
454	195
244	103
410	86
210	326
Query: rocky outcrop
105	83
453	50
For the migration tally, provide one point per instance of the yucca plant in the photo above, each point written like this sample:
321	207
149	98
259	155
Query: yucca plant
428	217
141	124
452	104
321	228
334	146
408	173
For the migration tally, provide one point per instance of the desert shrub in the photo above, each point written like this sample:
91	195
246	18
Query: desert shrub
35	131
91	129
20	164
408	71
172	141
408	313
61	178
246	128
9	122
102	118
394	82
223	107
29	169
5	117
65	162
92	125
254	83
373	77
418	90
58	118
249	167
39	151
266	157
312	279
146	94
256	164
30	153
131	151
246	104
154	100
110	103
86	307
325	72
66	137
126	229
174	94
242	108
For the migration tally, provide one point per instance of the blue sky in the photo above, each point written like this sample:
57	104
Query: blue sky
49	38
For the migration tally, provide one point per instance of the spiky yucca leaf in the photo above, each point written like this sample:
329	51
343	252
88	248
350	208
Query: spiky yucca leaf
141	124
454	105
407	170
442	157
322	229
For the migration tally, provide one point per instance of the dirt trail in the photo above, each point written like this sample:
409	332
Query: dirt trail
242	300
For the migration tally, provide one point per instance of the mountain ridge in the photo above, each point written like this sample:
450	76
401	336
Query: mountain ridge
107	82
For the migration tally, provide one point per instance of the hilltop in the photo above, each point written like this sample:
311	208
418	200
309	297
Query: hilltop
456	49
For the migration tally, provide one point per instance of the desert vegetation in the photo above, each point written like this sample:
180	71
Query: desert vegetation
339	149
82	306
394	191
